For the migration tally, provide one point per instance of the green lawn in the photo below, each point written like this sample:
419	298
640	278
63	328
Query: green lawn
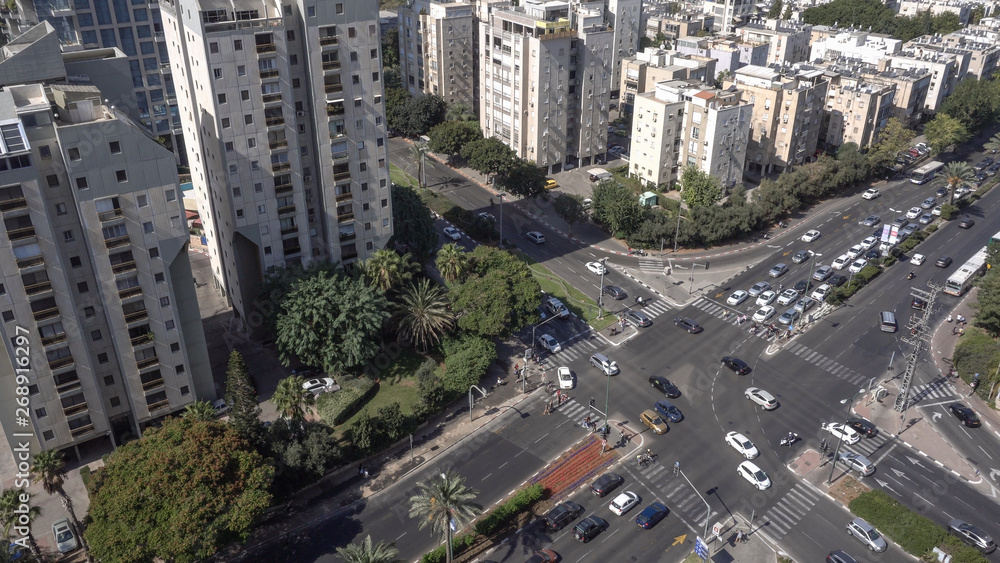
583	306
396	385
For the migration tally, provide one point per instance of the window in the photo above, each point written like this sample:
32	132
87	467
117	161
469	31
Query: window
53	180
179	368
311	11
238	44
164	302
95	335
229	146
60	209
225	123
248	119
109	380
241	70
217	72
8	316
340	8
74	154
385	202
374	77
41	413
68	236
237	191
175	347
115	146
147	227
239	213
82	287
89	312
115	401
244	95
171	195
255	165
158	277
261	209
142	200
352	32
44	151
102	358
258	187
75	262
290	35
121	176
293	59
154	252
354	56
213	47
355	79
221	98
169	325
295	83
267	250
251	143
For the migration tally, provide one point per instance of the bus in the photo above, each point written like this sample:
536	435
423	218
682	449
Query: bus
995	238
961	280
926	172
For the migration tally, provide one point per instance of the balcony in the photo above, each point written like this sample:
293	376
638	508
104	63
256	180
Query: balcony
142	339
136	316
158	405
266	48
115	242
289	231
147	363
333	88
123	267
345	217
153	384
105	216
344	197
351	255
334	110
130	292
329	41
54	339
344	237
158	35
286	209
46	314
36	288
76	409
292	250
331	65
13	204
341	176
61	363
282	188
22	233
269	73
334	135
77	432
282	167
339	156
271	98
31	262
275	121
278	145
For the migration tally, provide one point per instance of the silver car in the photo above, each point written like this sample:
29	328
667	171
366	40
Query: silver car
866	534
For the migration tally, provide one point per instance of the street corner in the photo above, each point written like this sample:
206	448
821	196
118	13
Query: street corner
806	462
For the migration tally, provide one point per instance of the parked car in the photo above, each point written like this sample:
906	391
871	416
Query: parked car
663	385
972	536
551	184
320	385
65	538
219	407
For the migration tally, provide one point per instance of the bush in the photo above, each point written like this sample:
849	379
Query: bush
932	228
976	352
458	545
467	361
504	513
337	407
948	212
85	476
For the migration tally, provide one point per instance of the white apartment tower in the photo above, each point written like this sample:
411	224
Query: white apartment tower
656	138
546	82
285	126
437	50
728	14
626	21
97	298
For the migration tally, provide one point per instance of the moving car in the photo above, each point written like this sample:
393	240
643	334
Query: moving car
565	377
871	193
623	503
535	237
855	251
966	223
651	515
965	415
588	528
606	483
843	432
857	265
837	280
597	268
822	273
869	242
871	220
763	314
929	203
65	538
737	297
909	229
543	556
667	410
778	270
801	256
550	184
925	219
736	364
615	292
841	261
602	362
873	254
562	514
742	444
688	324
863	426
857	462
972	535
663	385
917	259
556	307
821	292
762	398
754	475
766	298
788	296
811	236
320	385
638	318
804	304
758	288
943	262
452	233
551	344
867	535
789	316
839	556
653	421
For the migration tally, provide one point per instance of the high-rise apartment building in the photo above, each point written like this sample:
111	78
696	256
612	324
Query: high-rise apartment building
624	17
651	65
856	110
945	66
851	44
911	84
546	82
728	14
97	298
285	127
788	41
438	50
657	118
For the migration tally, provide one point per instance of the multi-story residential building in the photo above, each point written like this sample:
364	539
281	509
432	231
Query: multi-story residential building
856	110
728	14
787	114
624	18
911	85
788	41
656	136
98	304
945	69
978	49
867	47
716	127
285	127
546	82
653	65
136	29
911	8
437	50
730	54
682	24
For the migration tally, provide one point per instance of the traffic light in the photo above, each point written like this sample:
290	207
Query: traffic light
592	402
706	264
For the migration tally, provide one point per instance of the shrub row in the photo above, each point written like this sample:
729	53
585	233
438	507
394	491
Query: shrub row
859	280
335	408
458	545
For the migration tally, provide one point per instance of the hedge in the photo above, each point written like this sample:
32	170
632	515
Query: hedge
458	545
336	408
501	515
860	280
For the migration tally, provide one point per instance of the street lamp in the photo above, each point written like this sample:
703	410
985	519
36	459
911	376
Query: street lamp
525	379
708	508
840	437
600	294
812	266
500	195
895	214
678	231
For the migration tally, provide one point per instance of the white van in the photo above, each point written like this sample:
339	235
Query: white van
599	174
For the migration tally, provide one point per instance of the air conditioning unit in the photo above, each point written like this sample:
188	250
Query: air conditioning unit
307	178
300	114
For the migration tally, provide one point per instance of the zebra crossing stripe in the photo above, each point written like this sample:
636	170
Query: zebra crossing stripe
786	521
806	494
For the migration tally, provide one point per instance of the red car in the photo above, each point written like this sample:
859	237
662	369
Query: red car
543	556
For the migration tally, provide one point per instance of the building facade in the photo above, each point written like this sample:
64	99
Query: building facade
656	137
787	41
911	8
438	51
911	85
856	110
850	44
652	65
728	14
626	22
729	54
945	69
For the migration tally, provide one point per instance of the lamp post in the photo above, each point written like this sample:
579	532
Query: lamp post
697	492
524	380
600	294
895	214
500	195
812	267
840	438
678	231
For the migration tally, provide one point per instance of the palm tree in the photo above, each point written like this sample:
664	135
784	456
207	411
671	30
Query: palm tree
993	145
957	174
290	398
452	262
199	410
444	501
10	504
49	468
423	314
367	552
387	270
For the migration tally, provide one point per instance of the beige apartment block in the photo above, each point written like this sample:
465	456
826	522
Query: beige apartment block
652	65
911	85
911	8
681	24
856	110
787	41
438	51
978	49
944	65
657	120
728	14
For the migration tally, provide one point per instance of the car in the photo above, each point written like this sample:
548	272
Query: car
320	385
638	318
487	216
653	421
869	242
898	222
801	256
667	410
909	229
788	296
936	211
219	407
663	385
822	273
871	220
742	444
941	192
549	343
543	556
863	426
605	364
873	254
762	398
766	298
857	265
966	223
565	377
837	280
606	483
763	314
838	556
588	528
841	261
535	237
917	259
857	462
943	262
615	292
983	164
993	168
651	515
843	432
562	514
972	535
452	233
929	203
867	535
811	236
965	415
737	297
778	270
736	364
821	292
855	251
804	304
789	317
758	288
556	307
65	538
597	268
925	219
688	324
913	213
802	286
754	475
962	191
568	166
871	193
979	179
550	184
918	303
624	502
913	152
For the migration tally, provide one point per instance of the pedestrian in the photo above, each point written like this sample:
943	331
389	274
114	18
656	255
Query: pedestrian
516	366
949	319
361	469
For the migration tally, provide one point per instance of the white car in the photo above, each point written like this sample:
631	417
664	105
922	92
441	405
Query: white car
788	296
754	475
320	385
597	268
936	211
855	251
565	378
766	298
624	502
452	233
759	288
869	242
737	297
858	265
871	193
914	212
763	314
220	407
810	236
841	261
917	259
849	435
549	343
821	292
65	538
535	237
740	443
762	398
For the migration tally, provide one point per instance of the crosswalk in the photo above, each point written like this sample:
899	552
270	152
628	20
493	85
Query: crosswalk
651	265
681	497
790	510
867	447
730	315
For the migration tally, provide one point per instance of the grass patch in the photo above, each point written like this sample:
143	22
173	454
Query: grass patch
435	201
397	385
583	306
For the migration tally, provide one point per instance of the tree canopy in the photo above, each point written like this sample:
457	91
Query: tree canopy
179	494
700	189
893	138
489	156
499	294
241	396
944	131
569	207
616	207
775	10
449	137
412	223
880	18
524	179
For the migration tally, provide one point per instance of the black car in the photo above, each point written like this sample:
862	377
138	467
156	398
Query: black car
983	164
606	483
873	254
615	292
965	415
942	192
864	426
562	514
966	223
736	364
663	385
837	280
688	324
943	262
639	318
802	286
840	557
589	527
993	168
918	304
801	256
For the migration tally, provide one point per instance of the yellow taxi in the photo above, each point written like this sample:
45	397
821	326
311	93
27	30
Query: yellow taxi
550	183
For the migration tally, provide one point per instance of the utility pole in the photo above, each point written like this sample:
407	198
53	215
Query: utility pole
917	333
